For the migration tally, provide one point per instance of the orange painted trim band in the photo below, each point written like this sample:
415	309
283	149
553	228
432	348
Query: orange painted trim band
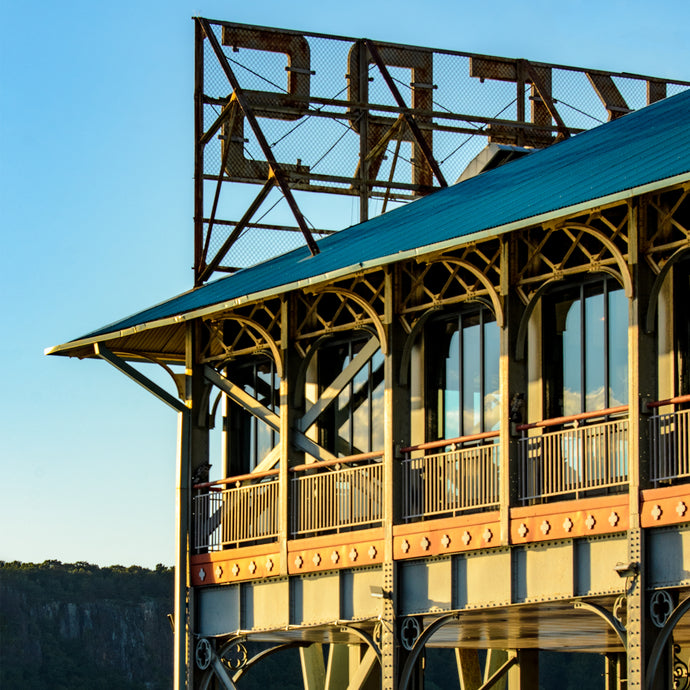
570	519
667	505
335	553
234	565
447	536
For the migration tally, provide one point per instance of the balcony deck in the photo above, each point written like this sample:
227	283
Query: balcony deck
572	483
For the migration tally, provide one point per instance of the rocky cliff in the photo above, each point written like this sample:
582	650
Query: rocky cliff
79	626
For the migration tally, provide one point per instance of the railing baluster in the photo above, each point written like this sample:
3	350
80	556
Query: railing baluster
670	445
336	499
450	482
235	515
572	461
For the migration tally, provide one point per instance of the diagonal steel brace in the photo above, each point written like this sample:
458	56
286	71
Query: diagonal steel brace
412	123
278	173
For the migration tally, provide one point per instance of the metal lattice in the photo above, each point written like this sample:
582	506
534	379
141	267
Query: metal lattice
336	129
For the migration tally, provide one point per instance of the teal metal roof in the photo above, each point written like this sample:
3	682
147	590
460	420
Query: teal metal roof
633	154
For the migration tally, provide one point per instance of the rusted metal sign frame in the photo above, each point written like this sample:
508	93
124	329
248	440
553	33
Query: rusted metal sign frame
275	170
543	125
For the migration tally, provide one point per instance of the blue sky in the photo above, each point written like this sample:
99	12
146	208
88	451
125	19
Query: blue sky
96	221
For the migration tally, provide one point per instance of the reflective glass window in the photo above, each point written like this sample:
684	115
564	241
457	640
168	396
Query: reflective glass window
354	422
462	375
585	348
250	439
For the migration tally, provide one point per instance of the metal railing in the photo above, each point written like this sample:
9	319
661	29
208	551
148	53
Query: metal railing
584	456
335	495
242	514
450	482
670	442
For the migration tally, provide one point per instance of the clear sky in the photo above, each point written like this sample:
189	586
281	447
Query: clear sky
96	221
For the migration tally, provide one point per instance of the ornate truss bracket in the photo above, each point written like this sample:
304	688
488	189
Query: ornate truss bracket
367	308
622	275
496	300
658	283
128	370
268	339
662	640
419	644
600	611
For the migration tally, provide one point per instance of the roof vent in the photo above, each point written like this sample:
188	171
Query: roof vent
492	156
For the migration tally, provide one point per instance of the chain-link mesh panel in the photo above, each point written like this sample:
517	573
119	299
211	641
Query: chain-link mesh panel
329	110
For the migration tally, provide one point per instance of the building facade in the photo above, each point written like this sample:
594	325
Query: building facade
461	424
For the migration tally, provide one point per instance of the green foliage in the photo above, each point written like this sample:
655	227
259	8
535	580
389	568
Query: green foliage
85	582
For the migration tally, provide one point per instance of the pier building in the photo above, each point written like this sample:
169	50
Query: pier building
462	423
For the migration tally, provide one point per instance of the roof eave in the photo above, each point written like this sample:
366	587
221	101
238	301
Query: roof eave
76	348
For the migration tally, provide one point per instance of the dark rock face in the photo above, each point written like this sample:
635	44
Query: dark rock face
78	626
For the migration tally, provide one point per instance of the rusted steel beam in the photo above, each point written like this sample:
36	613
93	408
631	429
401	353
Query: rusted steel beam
198	148
207	271
545	96
261	139
272	226
295	178
232	112
397	110
224	115
609	95
411	122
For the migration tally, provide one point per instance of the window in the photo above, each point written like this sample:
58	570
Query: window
462	385
353	423
585	348
250	439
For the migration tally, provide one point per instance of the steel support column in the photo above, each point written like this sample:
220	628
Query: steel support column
313	670
642	365
525	674
469	672
182	521
196	394
396	432
513	387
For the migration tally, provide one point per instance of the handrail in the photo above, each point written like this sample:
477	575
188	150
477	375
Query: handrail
451	441
237	478
337	461
555	421
670	401
297	468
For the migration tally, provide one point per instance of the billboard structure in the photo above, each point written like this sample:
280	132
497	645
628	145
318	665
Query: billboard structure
334	130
